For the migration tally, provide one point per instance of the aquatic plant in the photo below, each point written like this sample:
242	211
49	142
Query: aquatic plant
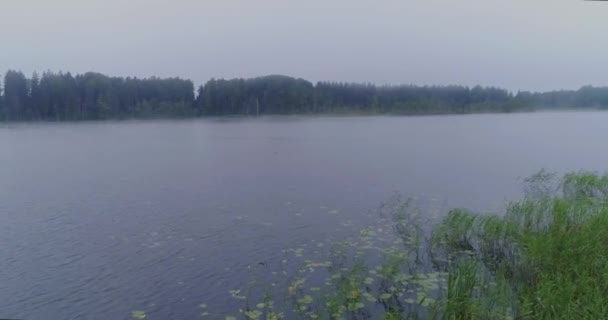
543	258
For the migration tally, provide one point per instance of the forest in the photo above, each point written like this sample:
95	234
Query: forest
55	96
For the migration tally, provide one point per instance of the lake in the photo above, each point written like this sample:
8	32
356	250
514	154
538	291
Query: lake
101	218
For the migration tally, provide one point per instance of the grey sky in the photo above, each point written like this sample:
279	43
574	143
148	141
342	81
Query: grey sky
517	44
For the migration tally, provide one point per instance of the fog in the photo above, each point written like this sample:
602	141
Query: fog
531	45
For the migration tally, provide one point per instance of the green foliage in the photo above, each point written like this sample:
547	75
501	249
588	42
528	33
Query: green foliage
543	258
62	96
257	96
138	314
546	255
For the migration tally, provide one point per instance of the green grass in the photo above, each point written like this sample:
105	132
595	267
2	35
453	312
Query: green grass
545	257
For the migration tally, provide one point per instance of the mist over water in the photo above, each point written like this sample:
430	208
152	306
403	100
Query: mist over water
101	218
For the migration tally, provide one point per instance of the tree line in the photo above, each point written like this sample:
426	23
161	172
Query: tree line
63	96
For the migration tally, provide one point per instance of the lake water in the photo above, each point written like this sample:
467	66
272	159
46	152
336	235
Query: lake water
101	218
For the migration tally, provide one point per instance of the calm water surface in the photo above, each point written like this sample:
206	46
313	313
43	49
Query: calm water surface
98	219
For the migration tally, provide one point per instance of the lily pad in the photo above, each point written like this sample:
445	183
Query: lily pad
369	297
253	314
307	299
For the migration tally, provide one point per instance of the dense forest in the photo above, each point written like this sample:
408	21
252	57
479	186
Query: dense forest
63	96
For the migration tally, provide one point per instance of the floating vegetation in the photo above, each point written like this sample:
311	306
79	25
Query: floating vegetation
237	294
253	314
307	299
138	314
347	223
544	258
297	252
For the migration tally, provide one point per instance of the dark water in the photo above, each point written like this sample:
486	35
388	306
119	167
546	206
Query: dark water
98	219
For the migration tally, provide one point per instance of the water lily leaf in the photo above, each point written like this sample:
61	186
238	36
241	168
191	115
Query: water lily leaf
138	314
326	264
307	299
368	280
236	294
369	297
253	314
261	305
385	296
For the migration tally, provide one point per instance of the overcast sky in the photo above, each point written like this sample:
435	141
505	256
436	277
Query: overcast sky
517	44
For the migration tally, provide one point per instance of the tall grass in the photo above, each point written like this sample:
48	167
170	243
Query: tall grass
546	257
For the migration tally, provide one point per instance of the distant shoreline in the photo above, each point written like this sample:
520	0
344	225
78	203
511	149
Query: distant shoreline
94	96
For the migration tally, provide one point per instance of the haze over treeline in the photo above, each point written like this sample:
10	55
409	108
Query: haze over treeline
63	96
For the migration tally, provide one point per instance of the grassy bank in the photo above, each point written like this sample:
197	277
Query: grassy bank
545	257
